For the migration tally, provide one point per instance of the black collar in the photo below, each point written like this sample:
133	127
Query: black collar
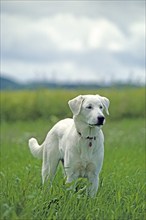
89	138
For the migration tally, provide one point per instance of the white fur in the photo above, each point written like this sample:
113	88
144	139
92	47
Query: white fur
68	141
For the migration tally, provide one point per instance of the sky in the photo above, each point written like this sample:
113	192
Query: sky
74	41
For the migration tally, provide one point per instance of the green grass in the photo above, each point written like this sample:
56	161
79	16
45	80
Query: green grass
50	104
121	191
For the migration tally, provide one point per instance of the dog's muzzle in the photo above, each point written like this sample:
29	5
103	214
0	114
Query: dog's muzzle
100	121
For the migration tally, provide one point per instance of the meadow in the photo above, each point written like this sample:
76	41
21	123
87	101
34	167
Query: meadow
121	194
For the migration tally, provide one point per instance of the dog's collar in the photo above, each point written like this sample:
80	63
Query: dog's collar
89	138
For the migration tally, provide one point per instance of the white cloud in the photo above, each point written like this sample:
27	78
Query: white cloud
61	32
76	47
66	32
105	34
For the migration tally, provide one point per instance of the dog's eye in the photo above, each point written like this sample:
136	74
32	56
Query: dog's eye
101	107
89	107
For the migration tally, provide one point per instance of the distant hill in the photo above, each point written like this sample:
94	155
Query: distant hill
9	84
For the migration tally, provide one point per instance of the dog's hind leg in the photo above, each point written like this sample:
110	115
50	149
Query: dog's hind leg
51	159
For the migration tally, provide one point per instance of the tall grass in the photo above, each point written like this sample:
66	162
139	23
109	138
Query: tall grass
47	104
121	191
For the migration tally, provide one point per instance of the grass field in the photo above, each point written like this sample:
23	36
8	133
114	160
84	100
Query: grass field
121	192
48	105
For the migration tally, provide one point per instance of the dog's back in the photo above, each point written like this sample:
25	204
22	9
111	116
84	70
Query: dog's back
55	133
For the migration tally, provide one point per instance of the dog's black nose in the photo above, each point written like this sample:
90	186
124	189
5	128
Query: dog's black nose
100	120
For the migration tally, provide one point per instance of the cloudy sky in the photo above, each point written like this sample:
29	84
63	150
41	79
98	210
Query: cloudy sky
73	40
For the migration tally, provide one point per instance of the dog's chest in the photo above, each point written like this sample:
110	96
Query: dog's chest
86	158
87	148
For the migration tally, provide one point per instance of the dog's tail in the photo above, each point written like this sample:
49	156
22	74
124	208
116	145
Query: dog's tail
35	148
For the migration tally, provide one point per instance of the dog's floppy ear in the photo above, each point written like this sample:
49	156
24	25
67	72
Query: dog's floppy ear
105	103
75	104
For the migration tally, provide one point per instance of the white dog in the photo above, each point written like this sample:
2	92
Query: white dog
77	142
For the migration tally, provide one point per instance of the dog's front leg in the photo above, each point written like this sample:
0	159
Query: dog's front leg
71	181
71	178
93	185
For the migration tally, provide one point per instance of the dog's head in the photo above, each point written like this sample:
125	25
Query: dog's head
89	108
